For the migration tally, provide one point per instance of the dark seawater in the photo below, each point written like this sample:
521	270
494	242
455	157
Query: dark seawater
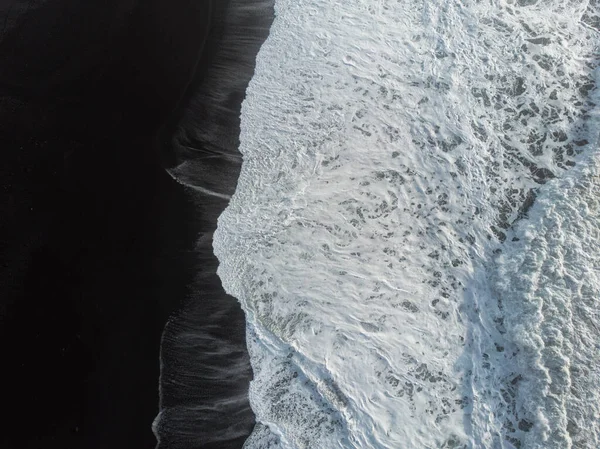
205	366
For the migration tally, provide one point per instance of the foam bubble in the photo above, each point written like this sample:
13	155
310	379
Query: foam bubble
389	149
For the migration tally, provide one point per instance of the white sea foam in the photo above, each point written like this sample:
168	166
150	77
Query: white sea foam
389	149
548	285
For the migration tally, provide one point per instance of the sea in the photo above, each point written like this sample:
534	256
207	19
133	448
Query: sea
415	234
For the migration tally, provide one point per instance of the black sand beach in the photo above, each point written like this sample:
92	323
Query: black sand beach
98	244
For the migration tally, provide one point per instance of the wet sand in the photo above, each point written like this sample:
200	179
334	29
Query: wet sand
206	365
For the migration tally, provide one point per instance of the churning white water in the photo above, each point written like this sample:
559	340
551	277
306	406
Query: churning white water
415	235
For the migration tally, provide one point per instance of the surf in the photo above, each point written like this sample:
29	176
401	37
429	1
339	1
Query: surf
389	150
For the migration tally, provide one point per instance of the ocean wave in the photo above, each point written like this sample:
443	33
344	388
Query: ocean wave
391	150
548	287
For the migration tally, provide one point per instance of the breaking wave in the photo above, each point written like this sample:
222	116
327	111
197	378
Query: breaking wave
414	234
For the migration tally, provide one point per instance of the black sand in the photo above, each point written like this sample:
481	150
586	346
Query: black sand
97	242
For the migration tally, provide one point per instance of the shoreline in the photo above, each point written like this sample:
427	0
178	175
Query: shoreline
100	246
205	340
